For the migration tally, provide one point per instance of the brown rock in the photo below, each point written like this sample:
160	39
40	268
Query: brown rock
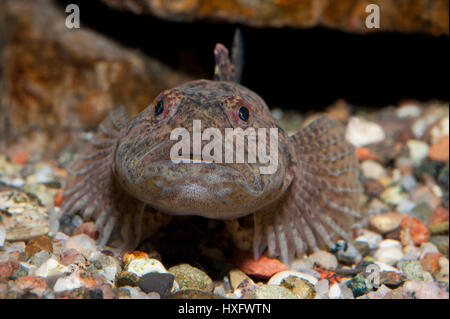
69	79
72	256
32	284
386	222
7	270
416	228
347	15
439	215
264	267
440	150
430	262
88	229
37	244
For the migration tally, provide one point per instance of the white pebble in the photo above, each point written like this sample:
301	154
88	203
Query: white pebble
324	259
418	150
334	292
390	255
361	132
68	283
389	243
372	170
408	110
373	239
2	235
142	266
51	268
426	248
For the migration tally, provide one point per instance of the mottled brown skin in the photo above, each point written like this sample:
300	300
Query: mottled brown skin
307	203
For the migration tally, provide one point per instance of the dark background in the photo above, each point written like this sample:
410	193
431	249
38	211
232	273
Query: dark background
292	68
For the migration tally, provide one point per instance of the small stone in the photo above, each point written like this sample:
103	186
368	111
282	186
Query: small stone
347	253
426	195
380	293
324	260
376	207
363	247
264	267
418	150
406	207
237	277
422	211
439	228
394	195
335	291
386	222
33	284
440	130
278	278
439	215
157	282
82	243
87	229
408	182
39	258
430	262
361	132
142	266
189	277
424	290
413	271
440	150
51	268
301	287
441	243
370	237
443	177
372	170
7	270
392	278
2	235
390	255
408	110
358	285
72	257
105	266
126	278
273	292
416	228
426	248
37	244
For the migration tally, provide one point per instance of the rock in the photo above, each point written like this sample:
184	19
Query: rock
422	211
361	132
157	282
193	294
7	270
443	178
126	278
345	15
300	287
440	150
358	285
87	229
380	293
418	150
408	182
142	266
390	255
439	215
51	268
104	265
362	247
376	207
237	277
425	194
386	268
430	262
372	170
36	244
426	248
416	229
39	258
439	228
424	290
2	235
392	278
278	278
324	259
335	291
428	167
440	130
369	237
33	284
346	253
22	215
408	110
189	277
82	243
386	222
273	292
413	271
394	195
264	267
441	243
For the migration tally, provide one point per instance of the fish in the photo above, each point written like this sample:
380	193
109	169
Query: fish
309	201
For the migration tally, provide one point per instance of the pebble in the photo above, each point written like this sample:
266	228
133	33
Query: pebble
386	222
394	195
422	211
412	269
189	277
389	251
361	132
335	291
157	282
273	292
87	229
439	150
369	237
324	260
39	258
104	265
439	215
7	270
408	110
358	285
2	235
72	257
427	248
424	290
300	287
33	284
381	292
440	130
36	244
386	268
416	229
441	243
278	278
348	256
418	150
408	182
264	267
82	243
439	228
237	277
144	265
51	268
372	170
406	207
430	262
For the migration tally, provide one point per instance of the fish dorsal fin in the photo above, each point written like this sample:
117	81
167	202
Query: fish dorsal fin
227	69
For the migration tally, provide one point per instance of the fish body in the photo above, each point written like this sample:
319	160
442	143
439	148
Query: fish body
308	201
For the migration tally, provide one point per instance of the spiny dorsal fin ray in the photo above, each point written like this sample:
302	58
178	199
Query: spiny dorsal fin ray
227	69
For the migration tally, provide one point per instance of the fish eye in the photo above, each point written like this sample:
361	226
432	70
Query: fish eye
244	113
159	107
